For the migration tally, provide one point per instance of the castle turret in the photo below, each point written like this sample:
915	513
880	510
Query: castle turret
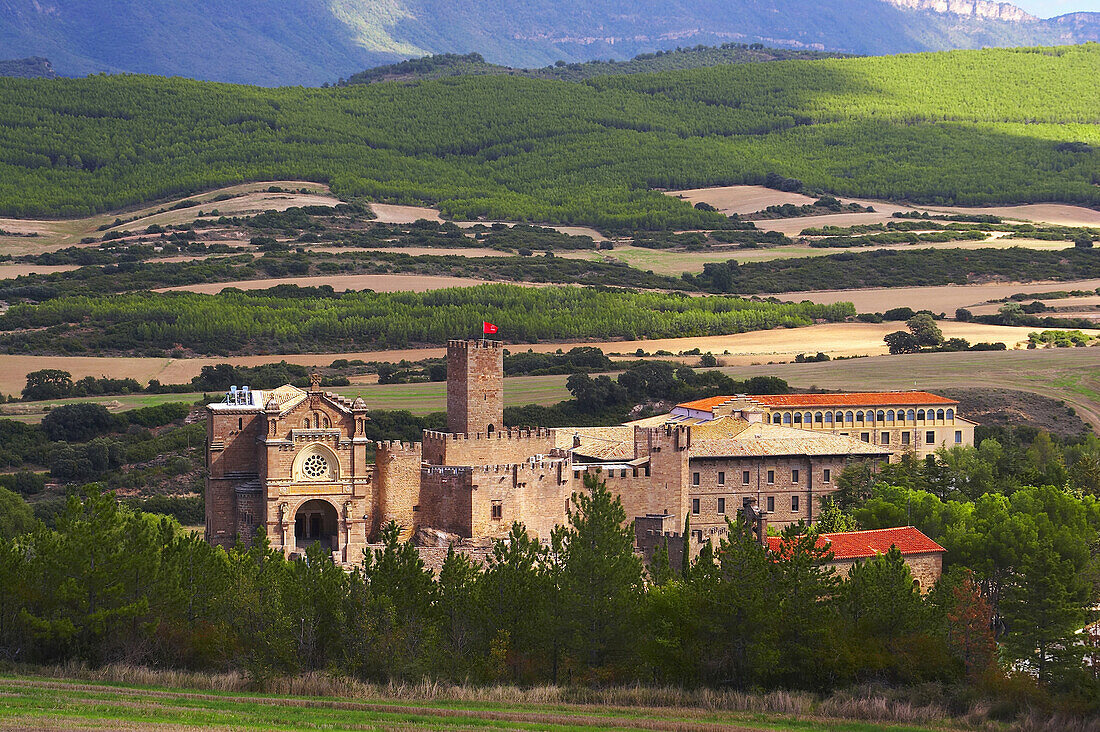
475	386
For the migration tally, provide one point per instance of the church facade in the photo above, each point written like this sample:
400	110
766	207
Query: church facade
296	464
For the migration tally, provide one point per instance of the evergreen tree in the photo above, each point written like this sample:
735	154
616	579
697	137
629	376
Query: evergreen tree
601	580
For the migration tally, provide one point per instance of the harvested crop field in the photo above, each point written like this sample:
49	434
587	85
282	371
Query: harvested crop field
781	344
941	298
10	271
391	214
749	199
39	703
240	199
378	283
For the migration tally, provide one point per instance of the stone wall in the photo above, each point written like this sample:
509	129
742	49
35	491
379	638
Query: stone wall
397	471
499	448
809	489
926	568
475	386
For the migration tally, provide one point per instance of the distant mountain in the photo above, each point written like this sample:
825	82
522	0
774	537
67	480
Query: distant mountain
312	41
28	68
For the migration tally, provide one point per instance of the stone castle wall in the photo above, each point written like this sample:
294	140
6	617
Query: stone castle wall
475	386
499	448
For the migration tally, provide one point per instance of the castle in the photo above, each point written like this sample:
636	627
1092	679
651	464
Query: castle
296	463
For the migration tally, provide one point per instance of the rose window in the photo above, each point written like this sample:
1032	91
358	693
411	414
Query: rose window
315	467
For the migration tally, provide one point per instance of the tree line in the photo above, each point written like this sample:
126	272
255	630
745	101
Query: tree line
310	319
110	584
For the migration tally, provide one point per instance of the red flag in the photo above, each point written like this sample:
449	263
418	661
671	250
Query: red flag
488	328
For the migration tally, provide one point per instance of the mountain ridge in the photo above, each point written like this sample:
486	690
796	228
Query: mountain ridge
254	42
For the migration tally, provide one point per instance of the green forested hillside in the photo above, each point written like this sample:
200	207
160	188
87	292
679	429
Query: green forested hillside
969	127
474	64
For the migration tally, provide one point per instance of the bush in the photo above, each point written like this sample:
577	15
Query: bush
78	422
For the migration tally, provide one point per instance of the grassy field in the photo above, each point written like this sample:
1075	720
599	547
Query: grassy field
36	703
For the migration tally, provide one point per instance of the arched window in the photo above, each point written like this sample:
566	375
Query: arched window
939	414
807	418
951	414
327	423
776	418
871	416
911	415
305	423
240	423
786	417
920	414
828	417
818	417
881	415
490	429
798	417
848	416
859	416
889	415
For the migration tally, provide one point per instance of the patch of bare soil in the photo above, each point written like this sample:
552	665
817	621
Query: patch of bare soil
378	283
1012	408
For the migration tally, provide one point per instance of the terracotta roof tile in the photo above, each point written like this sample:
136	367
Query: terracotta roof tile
865	544
763	439
850	399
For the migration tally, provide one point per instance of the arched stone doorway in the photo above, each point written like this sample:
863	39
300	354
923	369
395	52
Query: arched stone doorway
316	521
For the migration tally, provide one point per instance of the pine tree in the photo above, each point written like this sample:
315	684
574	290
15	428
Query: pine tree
601	580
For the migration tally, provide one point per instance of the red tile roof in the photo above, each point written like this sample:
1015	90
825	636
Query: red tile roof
705	405
851	399
864	544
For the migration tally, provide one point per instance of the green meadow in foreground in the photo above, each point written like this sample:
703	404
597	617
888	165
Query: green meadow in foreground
32	702
968	127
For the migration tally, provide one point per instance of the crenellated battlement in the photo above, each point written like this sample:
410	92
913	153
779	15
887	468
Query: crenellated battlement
477	344
513	433
398	446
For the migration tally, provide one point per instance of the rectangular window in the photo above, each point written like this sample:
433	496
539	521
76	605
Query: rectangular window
958	437
865	436
771	477
721	478
744	477
695	505
885	439
695	479
826	474
498	510
905	437
771	503
721	505
930	437
794	503
794	476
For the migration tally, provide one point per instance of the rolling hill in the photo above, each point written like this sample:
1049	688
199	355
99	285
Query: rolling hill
258	42
962	127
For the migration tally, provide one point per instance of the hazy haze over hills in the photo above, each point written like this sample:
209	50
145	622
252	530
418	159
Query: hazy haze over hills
312	41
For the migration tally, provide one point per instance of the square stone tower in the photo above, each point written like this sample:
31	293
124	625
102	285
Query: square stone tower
475	386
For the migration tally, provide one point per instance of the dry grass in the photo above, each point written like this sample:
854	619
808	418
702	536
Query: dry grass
378	283
246	198
390	214
941	298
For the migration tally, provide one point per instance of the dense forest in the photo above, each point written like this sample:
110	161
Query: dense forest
318	319
968	127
